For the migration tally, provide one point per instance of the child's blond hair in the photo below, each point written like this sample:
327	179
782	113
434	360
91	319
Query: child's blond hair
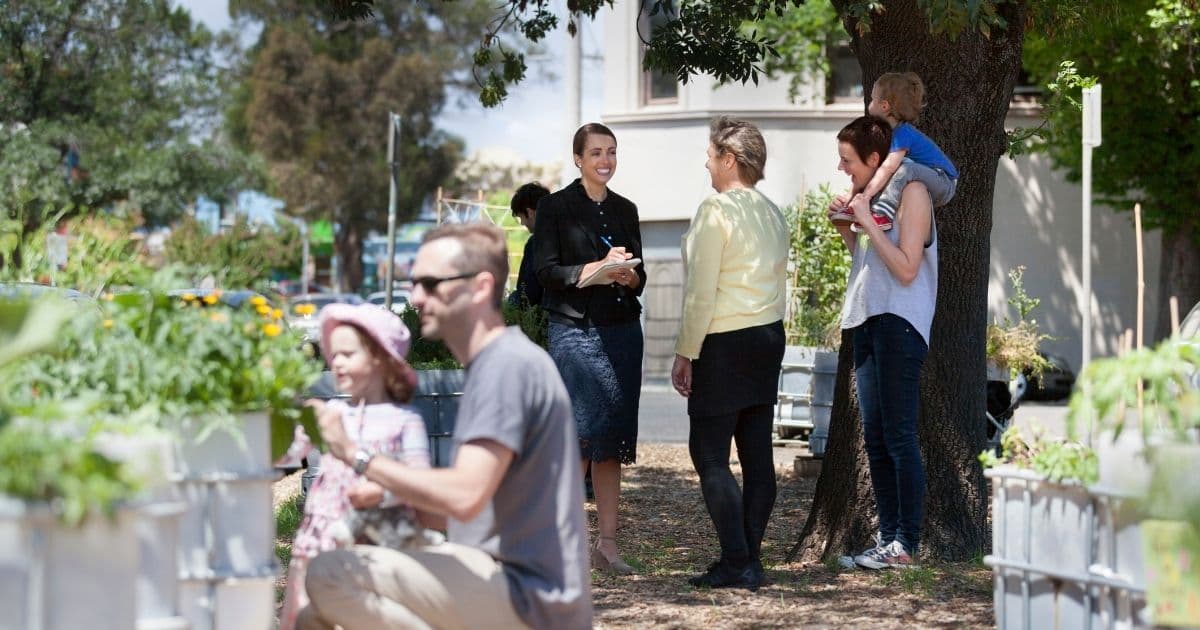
904	92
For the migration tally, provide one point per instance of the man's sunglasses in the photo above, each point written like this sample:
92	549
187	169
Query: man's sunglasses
430	283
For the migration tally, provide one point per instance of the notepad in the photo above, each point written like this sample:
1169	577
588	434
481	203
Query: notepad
604	274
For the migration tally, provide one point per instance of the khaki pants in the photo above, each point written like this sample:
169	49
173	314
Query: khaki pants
443	586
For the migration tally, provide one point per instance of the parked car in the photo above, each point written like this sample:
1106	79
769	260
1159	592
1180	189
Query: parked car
1055	382
400	299
302	314
11	290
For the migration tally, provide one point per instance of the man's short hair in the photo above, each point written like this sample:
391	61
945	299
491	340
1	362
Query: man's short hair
482	248
527	197
868	134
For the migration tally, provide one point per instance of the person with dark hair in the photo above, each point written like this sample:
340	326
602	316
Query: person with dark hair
595	331
511	500
730	347
524	209
890	300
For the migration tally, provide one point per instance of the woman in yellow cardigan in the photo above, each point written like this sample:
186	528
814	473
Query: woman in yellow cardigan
730	347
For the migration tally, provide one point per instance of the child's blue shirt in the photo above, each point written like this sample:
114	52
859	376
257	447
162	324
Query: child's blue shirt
921	149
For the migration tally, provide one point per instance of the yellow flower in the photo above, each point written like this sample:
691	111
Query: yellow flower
188	297
219	317
262	309
211	298
272	330
108	323
277	314
258	300
106	296
305	309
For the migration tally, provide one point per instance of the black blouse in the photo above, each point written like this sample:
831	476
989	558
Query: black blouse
568	231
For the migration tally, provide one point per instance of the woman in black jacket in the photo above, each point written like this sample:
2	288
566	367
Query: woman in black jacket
595	332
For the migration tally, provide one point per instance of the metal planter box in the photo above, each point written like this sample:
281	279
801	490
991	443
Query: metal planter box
1063	555
56	577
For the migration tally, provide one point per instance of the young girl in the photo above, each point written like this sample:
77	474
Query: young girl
365	347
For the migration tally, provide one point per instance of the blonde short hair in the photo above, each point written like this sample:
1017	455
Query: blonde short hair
904	92
744	142
484	248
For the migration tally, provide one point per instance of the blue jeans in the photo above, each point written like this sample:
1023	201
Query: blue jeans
888	354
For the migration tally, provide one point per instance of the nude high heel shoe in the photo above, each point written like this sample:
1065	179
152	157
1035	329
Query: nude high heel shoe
615	565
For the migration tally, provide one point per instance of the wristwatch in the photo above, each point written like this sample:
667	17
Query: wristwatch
361	459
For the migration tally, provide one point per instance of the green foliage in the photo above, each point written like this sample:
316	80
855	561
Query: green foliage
819	265
101	252
102	106
803	35
430	354
42	465
1014	345
1153	381
241	256
41	459
172	361
315	97
1057	460
1145	58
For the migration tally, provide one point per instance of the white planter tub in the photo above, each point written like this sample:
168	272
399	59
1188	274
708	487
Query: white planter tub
244	603
1063	555
54	577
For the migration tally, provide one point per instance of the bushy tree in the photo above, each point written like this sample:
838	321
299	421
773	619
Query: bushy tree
1147	59
315	104
102	104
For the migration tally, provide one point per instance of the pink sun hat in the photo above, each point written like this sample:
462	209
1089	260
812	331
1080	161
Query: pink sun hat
380	324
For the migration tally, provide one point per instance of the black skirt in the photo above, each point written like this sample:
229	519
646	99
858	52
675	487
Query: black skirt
736	370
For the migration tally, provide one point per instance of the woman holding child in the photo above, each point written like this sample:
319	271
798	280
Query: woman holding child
730	347
595	331
889	305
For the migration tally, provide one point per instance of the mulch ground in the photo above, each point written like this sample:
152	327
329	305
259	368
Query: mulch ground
665	533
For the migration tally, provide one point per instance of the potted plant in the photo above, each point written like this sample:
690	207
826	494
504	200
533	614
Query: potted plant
67	513
1068	520
818	268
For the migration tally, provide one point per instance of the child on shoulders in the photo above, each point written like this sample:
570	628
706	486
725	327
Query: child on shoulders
898	98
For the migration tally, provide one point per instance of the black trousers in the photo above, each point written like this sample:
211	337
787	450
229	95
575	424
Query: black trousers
739	515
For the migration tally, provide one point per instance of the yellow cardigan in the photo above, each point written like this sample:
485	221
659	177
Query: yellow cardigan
735	259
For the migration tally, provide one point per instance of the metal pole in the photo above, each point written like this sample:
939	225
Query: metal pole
1091	138
394	168
303	257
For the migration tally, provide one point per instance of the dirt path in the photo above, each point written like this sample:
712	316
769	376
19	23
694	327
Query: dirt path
666	535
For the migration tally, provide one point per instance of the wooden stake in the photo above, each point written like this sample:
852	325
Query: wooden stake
439	205
1174	315
1141	276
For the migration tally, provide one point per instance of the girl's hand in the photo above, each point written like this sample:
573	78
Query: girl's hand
367	494
334	432
838	204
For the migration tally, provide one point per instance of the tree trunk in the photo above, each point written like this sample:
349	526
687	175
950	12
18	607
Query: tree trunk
348	242
1178	273
969	83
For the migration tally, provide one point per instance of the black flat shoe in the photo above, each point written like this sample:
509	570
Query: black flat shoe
722	574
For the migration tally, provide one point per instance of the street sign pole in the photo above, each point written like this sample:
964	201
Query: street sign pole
394	170
1091	139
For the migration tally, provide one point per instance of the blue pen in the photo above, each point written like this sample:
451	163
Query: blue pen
606	241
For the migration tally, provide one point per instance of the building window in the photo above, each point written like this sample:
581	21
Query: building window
844	83
657	87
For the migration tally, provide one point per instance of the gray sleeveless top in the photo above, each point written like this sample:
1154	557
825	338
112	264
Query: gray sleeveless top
873	290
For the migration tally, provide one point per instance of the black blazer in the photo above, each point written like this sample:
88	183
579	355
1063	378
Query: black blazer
568	231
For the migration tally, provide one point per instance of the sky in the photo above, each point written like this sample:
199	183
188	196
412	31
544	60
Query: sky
531	123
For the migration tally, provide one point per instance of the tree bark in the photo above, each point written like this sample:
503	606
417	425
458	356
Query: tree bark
1178	273
969	83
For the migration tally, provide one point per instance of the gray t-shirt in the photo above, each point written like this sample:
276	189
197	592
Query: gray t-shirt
535	523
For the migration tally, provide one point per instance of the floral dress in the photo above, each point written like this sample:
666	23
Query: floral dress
392	430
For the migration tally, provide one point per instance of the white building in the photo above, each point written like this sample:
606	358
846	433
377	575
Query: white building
662	129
